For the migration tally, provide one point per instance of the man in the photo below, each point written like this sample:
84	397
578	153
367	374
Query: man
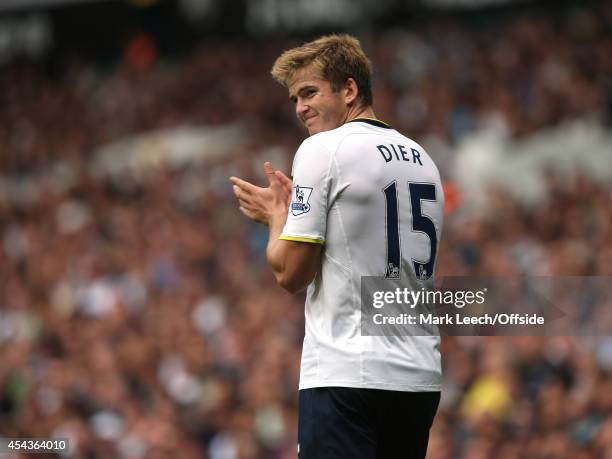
364	201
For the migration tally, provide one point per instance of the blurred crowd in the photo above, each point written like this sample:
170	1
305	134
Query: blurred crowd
138	318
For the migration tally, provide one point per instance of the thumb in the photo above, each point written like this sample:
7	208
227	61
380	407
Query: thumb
269	170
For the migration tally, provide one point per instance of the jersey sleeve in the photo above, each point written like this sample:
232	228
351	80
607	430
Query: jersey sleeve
307	216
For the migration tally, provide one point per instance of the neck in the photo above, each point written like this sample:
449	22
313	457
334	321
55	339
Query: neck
360	112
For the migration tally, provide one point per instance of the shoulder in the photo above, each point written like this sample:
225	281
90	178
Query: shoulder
328	141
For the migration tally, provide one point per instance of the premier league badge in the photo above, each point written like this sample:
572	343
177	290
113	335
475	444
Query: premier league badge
299	201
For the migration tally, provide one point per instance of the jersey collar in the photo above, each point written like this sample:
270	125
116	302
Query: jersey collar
373	122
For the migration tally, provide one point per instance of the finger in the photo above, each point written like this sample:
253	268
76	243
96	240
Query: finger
282	176
287	187
244	185
252	215
247	207
246	203
247	212
285	181
243	198
242	194
269	170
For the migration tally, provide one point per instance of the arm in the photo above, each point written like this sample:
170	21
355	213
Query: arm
294	264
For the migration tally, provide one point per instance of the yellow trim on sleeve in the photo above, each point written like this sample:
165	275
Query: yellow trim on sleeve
302	239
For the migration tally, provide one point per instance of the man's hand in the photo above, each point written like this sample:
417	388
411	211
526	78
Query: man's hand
264	204
294	264
287	183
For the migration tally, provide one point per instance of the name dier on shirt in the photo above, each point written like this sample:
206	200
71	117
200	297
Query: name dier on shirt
399	153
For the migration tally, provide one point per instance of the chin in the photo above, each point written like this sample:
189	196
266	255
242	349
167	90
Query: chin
312	130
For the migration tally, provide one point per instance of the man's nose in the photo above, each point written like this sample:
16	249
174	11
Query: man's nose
300	109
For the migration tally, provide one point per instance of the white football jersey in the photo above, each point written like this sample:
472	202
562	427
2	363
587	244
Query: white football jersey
374	199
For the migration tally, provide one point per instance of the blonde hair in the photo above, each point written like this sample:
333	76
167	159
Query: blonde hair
335	58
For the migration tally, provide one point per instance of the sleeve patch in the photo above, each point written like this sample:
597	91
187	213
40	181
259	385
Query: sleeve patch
299	200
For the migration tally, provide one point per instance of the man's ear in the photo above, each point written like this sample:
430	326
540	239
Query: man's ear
351	91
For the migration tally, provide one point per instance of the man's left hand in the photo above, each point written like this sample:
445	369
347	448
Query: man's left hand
263	204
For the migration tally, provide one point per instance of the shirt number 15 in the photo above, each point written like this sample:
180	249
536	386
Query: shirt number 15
420	224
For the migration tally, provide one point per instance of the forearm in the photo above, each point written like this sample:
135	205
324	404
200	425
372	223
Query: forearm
274	252
294	264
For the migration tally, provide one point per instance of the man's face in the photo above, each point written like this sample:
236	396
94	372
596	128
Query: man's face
317	106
